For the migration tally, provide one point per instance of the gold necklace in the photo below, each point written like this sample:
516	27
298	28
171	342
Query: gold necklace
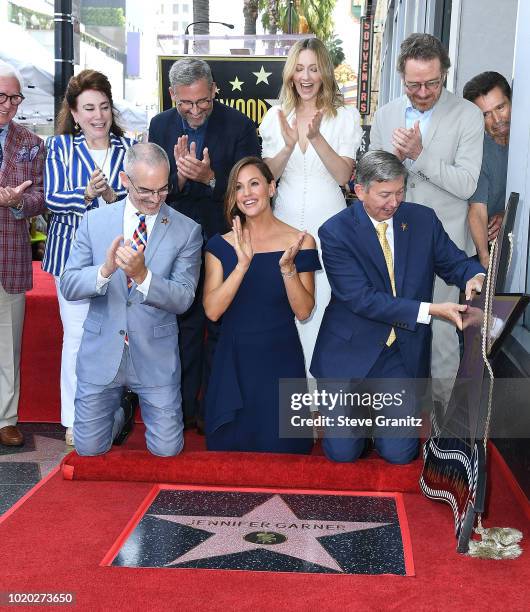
104	159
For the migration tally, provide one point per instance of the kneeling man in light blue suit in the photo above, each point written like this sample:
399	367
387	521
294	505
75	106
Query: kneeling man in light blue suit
138	261
381	256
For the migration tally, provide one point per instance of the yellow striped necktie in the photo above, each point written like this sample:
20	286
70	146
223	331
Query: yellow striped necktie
381	234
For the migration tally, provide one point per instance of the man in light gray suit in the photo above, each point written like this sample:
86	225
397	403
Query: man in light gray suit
439	138
138	261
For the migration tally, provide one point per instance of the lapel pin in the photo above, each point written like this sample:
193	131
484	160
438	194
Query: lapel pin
404	227
165	220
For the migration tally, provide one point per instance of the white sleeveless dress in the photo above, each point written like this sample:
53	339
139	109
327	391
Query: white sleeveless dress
308	195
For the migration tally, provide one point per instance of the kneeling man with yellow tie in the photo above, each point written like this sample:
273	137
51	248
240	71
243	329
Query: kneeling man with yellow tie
138	261
381	256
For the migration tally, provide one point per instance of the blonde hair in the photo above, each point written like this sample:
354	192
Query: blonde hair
329	97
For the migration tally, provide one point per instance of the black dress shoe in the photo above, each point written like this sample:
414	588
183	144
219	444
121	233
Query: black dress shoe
129	403
200	427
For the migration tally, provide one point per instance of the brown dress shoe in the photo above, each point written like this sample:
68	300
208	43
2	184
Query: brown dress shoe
11	436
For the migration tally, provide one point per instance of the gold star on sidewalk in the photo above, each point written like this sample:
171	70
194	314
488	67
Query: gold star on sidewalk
236	84
262	76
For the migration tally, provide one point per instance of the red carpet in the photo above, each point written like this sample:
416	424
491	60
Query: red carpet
56	540
40	399
244	470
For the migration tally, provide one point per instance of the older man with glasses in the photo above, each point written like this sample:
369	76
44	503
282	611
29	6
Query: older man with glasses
203	139
21	197
138	262
439	138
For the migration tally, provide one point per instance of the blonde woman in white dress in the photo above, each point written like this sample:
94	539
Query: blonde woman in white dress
309	142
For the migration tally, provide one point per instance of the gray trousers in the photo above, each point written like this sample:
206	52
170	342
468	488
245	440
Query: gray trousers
99	417
11	324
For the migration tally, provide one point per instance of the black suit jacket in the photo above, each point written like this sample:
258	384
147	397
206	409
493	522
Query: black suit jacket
230	136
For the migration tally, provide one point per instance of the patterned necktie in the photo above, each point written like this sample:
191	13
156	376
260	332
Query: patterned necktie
139	238
381	234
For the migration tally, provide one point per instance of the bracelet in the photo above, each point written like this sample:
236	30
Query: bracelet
288	274
87	197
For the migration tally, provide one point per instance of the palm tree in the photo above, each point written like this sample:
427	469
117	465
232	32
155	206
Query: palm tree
317	14
250	12
201	12
270	19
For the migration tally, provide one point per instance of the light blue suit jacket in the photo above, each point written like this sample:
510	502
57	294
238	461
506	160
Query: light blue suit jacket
173	254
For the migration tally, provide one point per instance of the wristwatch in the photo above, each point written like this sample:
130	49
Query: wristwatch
211	183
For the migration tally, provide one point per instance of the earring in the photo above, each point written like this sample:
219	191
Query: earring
77	127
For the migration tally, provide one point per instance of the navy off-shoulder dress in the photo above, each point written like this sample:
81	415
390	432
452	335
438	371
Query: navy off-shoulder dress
258	345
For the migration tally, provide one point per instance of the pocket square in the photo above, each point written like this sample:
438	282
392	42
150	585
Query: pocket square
24	154
33	152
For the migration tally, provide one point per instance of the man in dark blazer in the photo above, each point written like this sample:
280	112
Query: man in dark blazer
21	197
203	139
381	256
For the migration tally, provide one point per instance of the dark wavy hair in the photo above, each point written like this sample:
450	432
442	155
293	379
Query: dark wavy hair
86	79
483	83
231	209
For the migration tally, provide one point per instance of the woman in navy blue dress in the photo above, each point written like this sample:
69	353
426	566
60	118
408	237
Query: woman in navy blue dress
259	277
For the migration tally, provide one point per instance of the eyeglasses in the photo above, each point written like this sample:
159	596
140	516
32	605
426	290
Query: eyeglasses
429	85
201	104
146	193
15	99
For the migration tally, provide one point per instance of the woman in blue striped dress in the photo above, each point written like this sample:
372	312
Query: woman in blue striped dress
82	172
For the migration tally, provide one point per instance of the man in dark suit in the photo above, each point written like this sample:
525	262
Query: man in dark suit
21	197
381	256
203	139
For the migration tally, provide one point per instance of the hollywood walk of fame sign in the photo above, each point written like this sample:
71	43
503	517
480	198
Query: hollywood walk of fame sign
455	456
249	84
204	528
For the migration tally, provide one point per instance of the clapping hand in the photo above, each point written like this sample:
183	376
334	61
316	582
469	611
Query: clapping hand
313	129
193	169
407	143
286	262
289	133
131	261
110	266
181	148
97	184
242	245
11	196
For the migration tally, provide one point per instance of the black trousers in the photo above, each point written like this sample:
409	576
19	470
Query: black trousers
197	341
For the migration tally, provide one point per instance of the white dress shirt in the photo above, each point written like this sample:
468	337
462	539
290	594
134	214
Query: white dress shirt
130	224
